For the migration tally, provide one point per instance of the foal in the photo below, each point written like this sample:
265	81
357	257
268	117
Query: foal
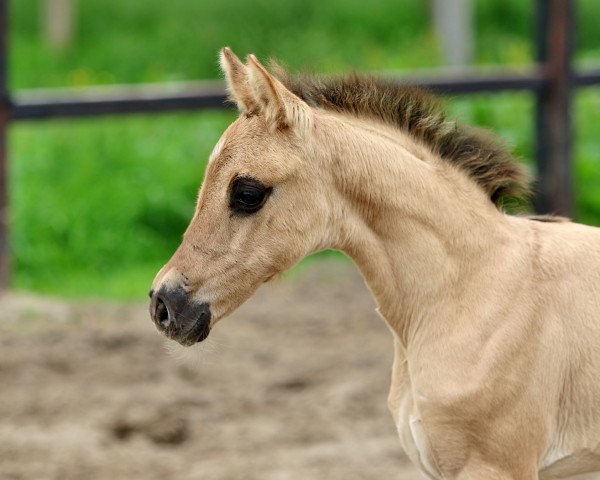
495	318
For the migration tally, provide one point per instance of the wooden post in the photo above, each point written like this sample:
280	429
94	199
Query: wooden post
453	20
57	22
4	117
553	107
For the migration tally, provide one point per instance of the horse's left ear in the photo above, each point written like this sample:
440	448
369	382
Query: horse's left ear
281	107
236	75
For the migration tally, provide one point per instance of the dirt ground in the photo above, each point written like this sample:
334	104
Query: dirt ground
292	387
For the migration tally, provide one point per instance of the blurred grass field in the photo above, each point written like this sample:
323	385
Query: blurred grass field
98	205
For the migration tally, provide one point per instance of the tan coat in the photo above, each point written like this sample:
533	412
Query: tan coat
495	318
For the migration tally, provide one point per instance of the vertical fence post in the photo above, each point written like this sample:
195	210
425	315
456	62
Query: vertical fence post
57	22
553	107
4	118
453	20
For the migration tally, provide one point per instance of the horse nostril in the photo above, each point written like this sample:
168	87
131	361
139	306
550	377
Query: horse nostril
161	314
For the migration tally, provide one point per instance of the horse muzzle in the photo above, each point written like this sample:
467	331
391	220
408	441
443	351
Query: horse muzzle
179	317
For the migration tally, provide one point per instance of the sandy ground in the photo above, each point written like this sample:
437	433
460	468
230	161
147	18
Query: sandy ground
292	387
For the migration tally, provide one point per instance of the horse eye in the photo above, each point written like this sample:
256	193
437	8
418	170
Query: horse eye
247	195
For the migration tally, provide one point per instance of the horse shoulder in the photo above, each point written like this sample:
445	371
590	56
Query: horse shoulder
567	279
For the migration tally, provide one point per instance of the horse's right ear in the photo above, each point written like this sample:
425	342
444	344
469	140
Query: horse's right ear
236	76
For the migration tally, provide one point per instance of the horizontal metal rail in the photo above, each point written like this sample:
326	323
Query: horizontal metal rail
587	79
54	103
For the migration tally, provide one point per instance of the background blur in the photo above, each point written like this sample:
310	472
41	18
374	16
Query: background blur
99	205
294	385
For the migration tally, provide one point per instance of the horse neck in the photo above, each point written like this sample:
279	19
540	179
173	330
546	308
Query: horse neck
414	225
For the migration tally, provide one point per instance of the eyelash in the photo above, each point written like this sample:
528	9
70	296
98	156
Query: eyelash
255	194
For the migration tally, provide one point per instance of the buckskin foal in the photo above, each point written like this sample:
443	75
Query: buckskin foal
495	318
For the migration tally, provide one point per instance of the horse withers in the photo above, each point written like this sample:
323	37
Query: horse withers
495	318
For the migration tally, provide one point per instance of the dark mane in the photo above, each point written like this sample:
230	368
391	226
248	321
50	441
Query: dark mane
418	113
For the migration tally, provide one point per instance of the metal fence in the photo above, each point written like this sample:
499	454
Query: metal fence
551	80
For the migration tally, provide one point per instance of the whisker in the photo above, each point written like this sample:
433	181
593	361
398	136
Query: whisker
197	355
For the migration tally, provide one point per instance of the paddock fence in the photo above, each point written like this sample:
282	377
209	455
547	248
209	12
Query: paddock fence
552	80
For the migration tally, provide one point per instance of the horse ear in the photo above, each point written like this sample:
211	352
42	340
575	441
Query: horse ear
236	76
281	107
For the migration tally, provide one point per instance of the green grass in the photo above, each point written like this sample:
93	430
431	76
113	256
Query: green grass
94	201
587	156
98	205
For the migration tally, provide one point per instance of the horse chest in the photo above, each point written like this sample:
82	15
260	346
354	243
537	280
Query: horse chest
560	460
413	435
